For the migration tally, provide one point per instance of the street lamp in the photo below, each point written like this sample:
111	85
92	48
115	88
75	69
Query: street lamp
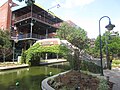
114	34
31	29
107	58
107	53
109	27
14	41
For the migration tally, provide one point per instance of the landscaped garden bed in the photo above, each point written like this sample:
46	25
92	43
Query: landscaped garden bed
74	80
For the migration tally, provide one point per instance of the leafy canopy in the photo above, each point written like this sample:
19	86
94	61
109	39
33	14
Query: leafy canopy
4	39
75	35
112	42
37	48
5	43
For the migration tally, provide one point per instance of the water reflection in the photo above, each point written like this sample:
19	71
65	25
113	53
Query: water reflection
27	78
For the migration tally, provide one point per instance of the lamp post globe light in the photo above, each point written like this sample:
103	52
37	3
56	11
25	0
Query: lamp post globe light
14	41
109	27
107	54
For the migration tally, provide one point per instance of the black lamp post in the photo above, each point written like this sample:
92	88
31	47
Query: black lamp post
109	27
107	54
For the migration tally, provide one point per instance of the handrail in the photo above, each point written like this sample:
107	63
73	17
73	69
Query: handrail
21	36
23	17
37	16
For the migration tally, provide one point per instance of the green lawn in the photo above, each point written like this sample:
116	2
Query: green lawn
115	63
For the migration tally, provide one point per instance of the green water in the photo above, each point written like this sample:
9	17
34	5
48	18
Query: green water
27	78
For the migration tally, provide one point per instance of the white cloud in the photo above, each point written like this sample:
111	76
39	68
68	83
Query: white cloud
2	2
117	24
72	3
91	26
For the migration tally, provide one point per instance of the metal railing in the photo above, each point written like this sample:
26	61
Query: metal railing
37	16
22	36
28	15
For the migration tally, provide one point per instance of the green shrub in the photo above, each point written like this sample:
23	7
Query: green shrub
89	66
23	57
103	85
33	54
84	65
116	62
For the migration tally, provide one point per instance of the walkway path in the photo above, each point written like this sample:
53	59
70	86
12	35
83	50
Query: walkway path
50	61
114	76
13	67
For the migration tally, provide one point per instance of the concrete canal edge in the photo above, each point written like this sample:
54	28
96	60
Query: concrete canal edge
14	67
53	61
50	61
46	86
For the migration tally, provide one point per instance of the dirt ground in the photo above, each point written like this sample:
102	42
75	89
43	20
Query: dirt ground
74	79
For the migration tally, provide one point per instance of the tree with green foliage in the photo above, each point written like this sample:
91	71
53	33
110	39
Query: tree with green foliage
35	52
113	43
5	44
75	35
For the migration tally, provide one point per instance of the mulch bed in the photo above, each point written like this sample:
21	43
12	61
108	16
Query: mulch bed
74	79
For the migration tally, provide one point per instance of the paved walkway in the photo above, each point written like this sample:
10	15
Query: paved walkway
114	76
50	61
13	67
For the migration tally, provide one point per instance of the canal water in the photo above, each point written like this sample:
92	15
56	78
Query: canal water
29	78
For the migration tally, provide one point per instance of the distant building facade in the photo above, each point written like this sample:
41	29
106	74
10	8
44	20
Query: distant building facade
92	42
71	23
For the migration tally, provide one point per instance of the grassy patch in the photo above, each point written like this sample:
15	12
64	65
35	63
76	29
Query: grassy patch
115	63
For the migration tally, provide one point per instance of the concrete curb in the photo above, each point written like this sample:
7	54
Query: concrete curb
52	61
45	85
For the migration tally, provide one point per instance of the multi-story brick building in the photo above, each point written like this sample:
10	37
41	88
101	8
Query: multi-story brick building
5	15
28	24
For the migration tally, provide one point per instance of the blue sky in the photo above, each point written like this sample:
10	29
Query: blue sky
84	13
